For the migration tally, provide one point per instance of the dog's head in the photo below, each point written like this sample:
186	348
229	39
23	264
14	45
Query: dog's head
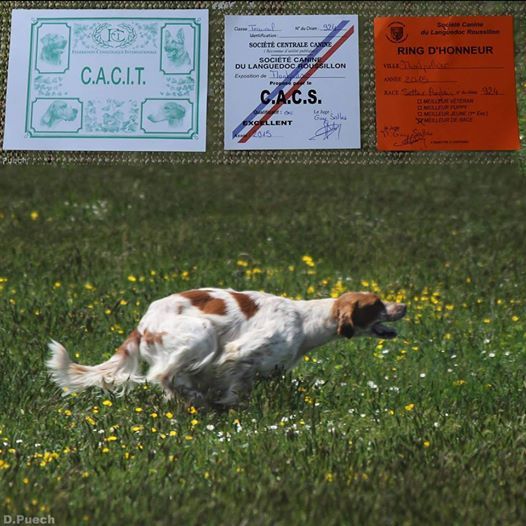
362	314
57	111
52	48
174	46
169	111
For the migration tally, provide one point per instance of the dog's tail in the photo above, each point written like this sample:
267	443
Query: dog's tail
121	370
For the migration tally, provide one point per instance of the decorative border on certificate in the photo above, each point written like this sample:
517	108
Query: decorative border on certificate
59	110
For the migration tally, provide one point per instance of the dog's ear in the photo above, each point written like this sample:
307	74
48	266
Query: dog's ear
168	40
344	316
46	118
180	36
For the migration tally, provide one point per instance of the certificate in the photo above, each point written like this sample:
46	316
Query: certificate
291	82
132	80
445	83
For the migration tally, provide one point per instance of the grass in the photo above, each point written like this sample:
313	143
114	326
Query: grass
425	429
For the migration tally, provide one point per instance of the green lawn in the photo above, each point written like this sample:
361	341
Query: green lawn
429	428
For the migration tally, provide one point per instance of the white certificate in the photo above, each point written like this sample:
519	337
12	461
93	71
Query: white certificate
292	82
133	80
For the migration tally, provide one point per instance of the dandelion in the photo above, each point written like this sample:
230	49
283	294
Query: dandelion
105	450
308	261
90	420
514	318
194	422
107	403
329	477
459	382
89	286
57	285
192	410
34	215
136	429
426	443
409	407
173	433
188	437
169	415
154	415
132	278
486	320
138	409
111	438
25	480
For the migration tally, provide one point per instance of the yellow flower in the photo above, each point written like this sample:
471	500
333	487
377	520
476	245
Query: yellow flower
25	480
136	429
308	261
132	278
88	286
409	407
192	410
169	415
107	403
34	215
111	438
3	464
57	284
173	433
154	430
138	409
188	437
514	318
459	382
67	412
426	443
194	422
154	415
105	450
90	420
486	320
310	290
242	263
329	477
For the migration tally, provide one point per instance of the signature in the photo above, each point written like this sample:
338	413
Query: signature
328	129
423	66
413	137
254	27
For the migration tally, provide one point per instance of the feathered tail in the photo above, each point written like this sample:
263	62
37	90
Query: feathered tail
122	369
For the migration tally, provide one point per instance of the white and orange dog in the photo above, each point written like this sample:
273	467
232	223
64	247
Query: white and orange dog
209	345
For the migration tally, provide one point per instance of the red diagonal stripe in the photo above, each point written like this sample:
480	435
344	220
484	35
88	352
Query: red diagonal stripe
300	82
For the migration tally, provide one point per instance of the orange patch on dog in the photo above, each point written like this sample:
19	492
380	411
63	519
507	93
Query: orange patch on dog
205	302
152	337
133	338
246	304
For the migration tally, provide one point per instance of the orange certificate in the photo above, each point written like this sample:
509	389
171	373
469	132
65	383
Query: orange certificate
445	83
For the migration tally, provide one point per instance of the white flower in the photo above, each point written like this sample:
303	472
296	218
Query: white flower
372	385
422	375
491	355
210	427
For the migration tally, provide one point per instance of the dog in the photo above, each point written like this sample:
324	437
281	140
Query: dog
58	111
169	111
52	48
175	49
208	346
